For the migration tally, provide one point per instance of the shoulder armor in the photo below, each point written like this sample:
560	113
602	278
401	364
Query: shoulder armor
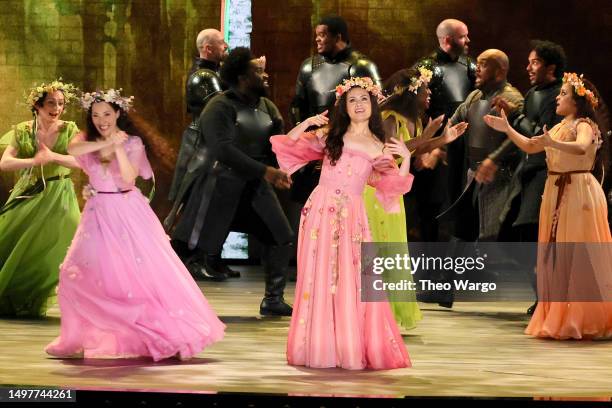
201	86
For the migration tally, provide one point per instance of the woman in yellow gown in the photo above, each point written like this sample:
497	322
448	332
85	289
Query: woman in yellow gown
402	112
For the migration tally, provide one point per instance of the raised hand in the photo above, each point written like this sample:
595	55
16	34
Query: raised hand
433	125
118	138
453	132
44	155
544	139
499	124
318	120
397	148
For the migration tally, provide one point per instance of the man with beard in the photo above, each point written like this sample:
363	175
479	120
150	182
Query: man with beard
318	77
234	192
452	80
546	63
202	84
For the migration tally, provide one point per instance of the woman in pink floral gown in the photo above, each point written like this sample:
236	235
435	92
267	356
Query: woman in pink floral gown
331	326
123	292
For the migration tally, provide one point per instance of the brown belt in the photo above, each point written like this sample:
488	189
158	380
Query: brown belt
564	179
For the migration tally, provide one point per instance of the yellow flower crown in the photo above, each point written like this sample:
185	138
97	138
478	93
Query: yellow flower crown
424	78
576	81
35	93
362	82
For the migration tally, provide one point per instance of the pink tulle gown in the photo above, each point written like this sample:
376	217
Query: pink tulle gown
330	325
123	292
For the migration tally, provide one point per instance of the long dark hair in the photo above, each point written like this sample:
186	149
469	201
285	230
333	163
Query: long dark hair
134	124
601	116
339	123
406	102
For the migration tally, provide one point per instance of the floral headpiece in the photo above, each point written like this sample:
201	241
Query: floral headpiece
37	91
110	96
424	78
362	82
576	81
261	61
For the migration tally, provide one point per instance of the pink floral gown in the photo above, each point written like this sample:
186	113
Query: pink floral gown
123	292
330	325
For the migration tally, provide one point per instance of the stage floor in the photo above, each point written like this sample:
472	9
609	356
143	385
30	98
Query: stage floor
475	349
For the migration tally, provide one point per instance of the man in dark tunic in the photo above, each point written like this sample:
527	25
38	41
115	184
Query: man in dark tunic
319	74
202	84
546	63
453	79
231	180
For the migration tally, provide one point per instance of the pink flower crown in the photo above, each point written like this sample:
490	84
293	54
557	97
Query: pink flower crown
576	81
362	82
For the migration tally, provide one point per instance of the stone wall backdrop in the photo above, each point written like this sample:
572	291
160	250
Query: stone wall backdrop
146	47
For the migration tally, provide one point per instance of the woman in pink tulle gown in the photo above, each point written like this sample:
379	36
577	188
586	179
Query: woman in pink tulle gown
123	292
331	326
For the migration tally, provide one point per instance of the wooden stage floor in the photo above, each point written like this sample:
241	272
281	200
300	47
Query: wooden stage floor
475	349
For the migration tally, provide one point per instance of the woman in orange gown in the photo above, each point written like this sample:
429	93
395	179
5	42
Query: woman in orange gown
574	258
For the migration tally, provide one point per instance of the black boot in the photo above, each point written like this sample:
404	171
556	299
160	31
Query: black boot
205	267
216	262
275	260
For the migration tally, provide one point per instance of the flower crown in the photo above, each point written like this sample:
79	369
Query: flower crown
576	81
109	96
424	78
35	93
362	82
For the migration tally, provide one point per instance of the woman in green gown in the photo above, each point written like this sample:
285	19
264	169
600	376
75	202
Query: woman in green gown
39	219
402	112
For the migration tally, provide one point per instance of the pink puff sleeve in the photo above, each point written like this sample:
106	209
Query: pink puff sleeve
389	185
135	151
294	154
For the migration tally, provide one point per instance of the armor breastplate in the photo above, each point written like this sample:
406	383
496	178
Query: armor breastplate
254	128
482	139
325	77
534	103
454	87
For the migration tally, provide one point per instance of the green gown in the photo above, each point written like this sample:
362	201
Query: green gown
386	227
35	232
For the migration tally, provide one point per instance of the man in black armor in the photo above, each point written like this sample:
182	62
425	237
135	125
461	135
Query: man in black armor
546	63
319	74
203	83
453	79
232	188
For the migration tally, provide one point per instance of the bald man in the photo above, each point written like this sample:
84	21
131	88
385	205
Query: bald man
203	83
453	79
480	211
